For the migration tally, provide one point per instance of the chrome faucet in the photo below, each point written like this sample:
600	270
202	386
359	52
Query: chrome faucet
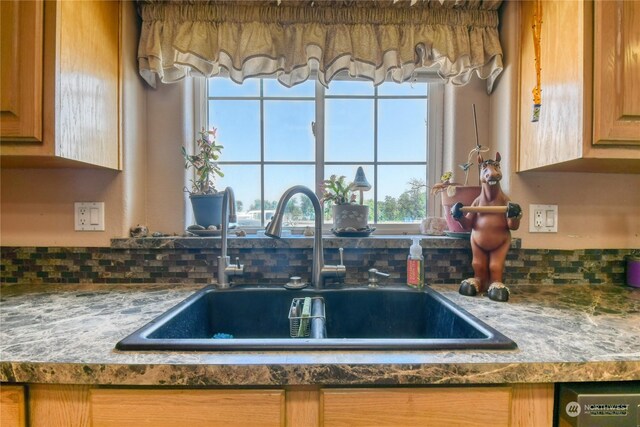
319	271
225	268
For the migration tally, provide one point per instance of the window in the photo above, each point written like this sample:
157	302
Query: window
276	137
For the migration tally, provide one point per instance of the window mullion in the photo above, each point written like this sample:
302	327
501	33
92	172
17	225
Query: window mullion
435	101
319	136
262	224
375	155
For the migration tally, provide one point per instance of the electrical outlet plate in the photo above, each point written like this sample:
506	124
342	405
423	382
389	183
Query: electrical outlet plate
543	218
89	216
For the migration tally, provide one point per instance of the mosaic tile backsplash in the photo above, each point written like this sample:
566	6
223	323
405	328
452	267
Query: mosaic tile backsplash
273	262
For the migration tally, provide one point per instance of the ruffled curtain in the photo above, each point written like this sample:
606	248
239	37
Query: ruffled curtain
289	39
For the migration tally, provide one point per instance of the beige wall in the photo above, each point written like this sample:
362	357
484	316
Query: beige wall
596	210
37	204
171	125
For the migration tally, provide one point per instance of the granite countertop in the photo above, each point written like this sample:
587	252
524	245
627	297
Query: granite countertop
66	334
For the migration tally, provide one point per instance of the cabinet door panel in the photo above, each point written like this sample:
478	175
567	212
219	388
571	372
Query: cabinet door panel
12	411
88	91
617	73
21	70
478	406
193	408
58	405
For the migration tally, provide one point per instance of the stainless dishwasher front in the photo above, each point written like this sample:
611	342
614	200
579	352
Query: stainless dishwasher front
599	405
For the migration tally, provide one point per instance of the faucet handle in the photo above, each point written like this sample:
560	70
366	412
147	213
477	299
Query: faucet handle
334	271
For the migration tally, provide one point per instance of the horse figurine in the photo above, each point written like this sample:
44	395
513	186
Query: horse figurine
490	217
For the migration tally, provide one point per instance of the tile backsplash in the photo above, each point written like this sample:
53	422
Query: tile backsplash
194	260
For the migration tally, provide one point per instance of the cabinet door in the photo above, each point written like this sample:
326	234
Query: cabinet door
616	73
21	70
88	86
12	406
477	406
193	408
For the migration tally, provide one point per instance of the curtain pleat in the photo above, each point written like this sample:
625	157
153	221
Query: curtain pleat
369	39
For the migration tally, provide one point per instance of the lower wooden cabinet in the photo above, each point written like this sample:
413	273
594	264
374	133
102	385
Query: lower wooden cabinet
12	406
521	405
471	407
193	408
506	405
62	405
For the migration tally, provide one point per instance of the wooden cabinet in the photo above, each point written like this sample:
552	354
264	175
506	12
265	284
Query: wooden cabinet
478	406
21	70
12	406
118	407
63	106
521	405
590	79
616	73
301	406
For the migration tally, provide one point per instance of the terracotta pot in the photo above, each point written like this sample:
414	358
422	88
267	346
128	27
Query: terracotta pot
464	194
207	209
350	216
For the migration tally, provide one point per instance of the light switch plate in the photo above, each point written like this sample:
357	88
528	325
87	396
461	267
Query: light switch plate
89	216
543	218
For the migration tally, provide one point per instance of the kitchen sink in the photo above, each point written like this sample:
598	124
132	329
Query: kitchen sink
257	318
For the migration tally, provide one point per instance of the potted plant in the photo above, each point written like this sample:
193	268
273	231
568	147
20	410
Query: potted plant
348	217
206	201
453	192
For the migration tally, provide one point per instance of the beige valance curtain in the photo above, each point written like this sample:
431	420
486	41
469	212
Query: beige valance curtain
370	39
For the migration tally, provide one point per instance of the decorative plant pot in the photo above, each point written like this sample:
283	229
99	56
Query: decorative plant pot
350	217
465	195
207	209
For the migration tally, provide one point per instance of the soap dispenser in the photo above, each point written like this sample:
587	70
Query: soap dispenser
415	265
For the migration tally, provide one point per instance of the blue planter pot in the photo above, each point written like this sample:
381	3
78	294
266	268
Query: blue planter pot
207	209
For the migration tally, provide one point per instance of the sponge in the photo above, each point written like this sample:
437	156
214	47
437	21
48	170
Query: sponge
304	318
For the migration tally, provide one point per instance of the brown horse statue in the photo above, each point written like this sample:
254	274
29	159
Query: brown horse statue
490	217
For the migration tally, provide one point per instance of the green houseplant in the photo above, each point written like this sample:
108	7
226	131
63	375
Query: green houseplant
206	201
348	216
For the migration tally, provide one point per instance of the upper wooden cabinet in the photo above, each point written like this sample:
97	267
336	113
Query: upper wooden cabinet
64	84
616	73
21	70
590	60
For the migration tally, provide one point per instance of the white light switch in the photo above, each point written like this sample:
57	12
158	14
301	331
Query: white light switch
94	218
89	216
550	218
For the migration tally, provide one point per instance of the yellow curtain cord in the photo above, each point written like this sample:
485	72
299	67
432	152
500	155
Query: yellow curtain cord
537	29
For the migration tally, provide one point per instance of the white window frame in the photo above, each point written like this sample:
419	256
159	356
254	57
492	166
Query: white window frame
435	121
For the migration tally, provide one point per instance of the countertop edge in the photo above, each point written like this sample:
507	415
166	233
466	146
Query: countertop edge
317	374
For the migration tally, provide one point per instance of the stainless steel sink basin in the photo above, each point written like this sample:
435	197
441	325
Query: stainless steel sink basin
356	318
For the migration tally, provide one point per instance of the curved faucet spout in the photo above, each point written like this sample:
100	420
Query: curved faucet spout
225	269
274	228
228	215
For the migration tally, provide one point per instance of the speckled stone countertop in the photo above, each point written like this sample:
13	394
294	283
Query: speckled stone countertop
66	334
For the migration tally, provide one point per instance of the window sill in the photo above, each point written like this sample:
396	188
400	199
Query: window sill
295	242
